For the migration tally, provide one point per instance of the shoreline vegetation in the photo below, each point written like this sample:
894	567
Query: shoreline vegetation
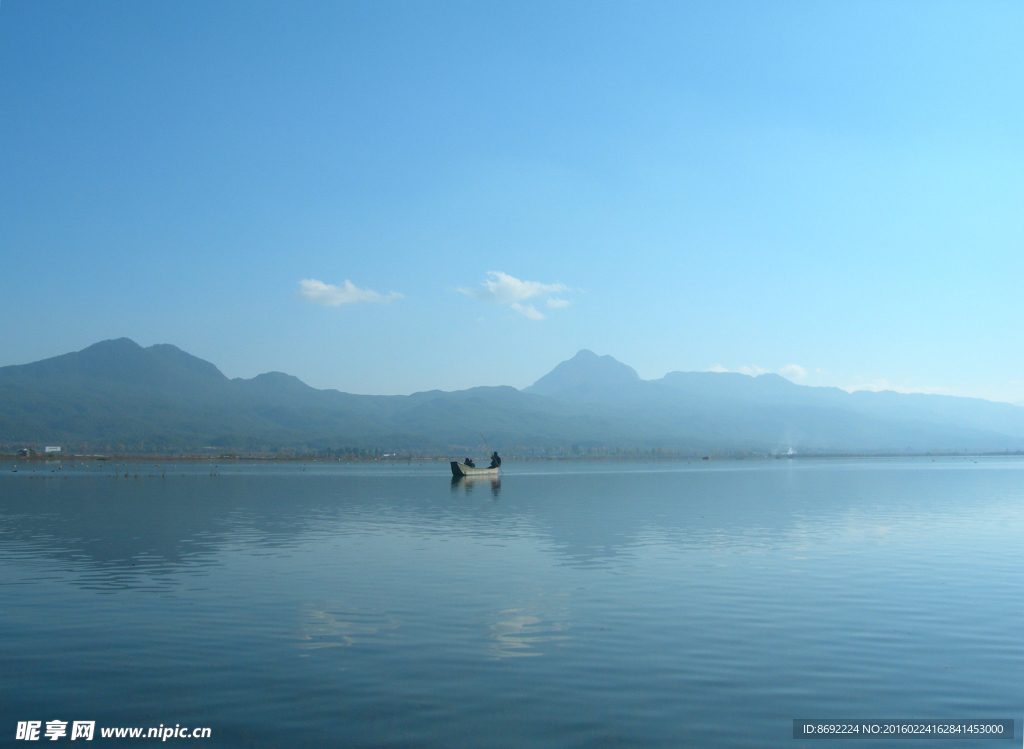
654	456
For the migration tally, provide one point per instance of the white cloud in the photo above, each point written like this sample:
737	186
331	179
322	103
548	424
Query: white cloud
793	372
753	371
329	295
880	384
529	311
503	289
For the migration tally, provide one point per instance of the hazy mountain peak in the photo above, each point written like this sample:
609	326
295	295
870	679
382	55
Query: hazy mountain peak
585	376
120	360
111	344
276	382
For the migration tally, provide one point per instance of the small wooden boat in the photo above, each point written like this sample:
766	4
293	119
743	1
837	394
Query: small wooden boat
461	469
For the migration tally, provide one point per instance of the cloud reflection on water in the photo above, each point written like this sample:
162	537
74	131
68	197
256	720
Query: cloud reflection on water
519	632
338	627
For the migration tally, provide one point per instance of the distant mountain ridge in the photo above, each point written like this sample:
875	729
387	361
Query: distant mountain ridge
119	396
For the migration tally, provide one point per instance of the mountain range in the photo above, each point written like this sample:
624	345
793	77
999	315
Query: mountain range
116	396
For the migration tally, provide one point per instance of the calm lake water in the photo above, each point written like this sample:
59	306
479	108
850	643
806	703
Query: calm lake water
702	604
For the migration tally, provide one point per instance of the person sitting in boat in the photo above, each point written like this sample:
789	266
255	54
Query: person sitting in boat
469	462
495	460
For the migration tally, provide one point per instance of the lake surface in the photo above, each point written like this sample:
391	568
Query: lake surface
702	604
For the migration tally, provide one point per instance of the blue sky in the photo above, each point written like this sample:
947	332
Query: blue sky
385	198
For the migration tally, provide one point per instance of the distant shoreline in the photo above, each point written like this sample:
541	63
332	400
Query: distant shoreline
190	458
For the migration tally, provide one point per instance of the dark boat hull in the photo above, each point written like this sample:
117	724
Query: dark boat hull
459	470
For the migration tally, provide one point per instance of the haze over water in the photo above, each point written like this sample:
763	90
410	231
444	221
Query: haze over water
574	604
